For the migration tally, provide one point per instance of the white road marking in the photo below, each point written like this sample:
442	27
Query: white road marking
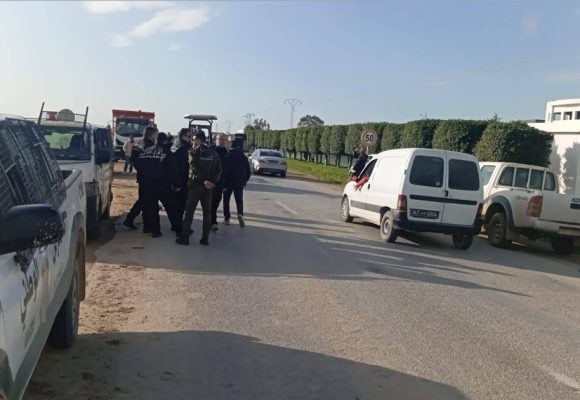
284	206
563	379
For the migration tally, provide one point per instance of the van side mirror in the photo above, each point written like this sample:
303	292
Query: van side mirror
102	156
30	226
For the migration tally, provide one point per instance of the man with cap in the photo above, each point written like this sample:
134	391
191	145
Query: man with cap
205	174
181	150
220	148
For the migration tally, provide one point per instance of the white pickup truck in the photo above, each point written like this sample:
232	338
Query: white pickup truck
524	200
42	252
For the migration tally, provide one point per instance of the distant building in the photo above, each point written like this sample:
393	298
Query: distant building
563	120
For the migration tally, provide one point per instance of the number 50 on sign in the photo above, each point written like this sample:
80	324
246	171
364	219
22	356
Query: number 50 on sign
369	137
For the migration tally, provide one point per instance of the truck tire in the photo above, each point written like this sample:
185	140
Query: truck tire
497	230
94	230
66	324
562	245
461	241
345	210
387	229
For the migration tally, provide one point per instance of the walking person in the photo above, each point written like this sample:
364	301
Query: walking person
237	175
222	151
181	150
159	178
149	137
205	174
128	150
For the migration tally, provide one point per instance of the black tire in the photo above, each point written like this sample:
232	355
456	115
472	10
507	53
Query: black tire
283	175
95	230
562	245
66	324
345	210
387	229
461	241
497	230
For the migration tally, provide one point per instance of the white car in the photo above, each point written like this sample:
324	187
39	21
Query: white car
268	161
522	199
421	190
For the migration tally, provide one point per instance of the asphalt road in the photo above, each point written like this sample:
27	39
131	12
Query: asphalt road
299	305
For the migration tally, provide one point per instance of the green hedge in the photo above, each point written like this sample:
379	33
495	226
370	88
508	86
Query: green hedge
419	133
514	142
458	135
391	138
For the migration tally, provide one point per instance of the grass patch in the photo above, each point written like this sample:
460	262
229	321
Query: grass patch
326	173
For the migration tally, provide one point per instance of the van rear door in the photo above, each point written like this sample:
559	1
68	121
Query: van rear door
464	191
426	186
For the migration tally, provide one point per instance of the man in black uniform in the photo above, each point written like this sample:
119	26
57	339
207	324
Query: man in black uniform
181	150
236	176
205	174
159	178
222	151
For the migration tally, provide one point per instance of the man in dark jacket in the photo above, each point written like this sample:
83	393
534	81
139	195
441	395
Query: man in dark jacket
222	151
181	150
159	177
149	137
206	172
236	176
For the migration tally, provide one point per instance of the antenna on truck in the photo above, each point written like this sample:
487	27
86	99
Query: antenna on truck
40	115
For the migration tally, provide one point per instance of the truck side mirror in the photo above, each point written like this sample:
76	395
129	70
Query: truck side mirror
102	156
30	226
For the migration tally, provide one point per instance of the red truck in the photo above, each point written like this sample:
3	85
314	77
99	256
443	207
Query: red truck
128	124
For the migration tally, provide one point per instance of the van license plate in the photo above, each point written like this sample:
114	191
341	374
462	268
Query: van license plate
427	214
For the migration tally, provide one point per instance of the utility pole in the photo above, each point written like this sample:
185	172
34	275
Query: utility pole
248	118
292	103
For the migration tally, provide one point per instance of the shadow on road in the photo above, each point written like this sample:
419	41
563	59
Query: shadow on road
215	365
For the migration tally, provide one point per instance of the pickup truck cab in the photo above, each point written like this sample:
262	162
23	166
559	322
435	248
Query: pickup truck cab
523	200
78	145
42	248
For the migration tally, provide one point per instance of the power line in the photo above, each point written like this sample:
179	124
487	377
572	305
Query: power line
248	118
229	123
293	103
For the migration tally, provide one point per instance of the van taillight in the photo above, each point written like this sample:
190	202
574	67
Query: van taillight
402	203
535	206
480	210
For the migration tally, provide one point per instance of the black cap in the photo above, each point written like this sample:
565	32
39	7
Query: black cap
200	135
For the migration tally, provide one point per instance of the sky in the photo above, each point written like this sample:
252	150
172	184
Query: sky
347	61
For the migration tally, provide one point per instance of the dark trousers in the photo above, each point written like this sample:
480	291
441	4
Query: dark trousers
197	193
153	193
217	195
238	191
181	201
128	165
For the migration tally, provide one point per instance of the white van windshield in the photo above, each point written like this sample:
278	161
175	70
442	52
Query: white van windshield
427	171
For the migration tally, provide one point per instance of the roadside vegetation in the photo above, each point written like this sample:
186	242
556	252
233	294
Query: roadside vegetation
325	173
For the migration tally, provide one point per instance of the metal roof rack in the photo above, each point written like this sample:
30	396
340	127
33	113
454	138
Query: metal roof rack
201	117
64	117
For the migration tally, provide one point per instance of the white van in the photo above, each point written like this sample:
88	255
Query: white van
420	190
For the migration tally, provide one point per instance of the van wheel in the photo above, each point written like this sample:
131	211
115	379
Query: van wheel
345	210
66	324
497	229
387	230
562	245
462	242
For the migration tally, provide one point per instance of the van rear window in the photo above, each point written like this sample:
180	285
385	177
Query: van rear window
463	175
427	171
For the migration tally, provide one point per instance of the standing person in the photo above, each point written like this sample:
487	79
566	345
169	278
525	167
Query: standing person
159	177
181	151
360	163
128	149
149	137
237	175
205	174
222	151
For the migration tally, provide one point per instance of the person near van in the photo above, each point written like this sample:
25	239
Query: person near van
128	149
149	137
159	178
220	148
360	163
181	150
206	172
237	174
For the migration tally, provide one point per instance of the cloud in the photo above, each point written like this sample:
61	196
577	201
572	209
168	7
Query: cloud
175	47
110	7
529	24
118	40
564	77
172	20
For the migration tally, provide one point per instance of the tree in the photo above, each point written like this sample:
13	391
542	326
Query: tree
310	120
458	135
261	124
419	133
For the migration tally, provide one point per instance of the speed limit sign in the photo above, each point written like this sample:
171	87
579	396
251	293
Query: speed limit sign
369	137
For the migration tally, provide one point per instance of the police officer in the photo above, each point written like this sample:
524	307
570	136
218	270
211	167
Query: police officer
159	177
181	150
220	148
205	174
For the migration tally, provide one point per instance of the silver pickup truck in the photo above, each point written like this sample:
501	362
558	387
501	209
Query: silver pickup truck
42	252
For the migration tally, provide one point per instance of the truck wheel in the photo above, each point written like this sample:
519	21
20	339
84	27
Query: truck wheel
345	210
387	229
94	231
497	229
462	242
66	325
562	245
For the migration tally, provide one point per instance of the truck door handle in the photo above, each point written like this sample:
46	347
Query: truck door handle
64	215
